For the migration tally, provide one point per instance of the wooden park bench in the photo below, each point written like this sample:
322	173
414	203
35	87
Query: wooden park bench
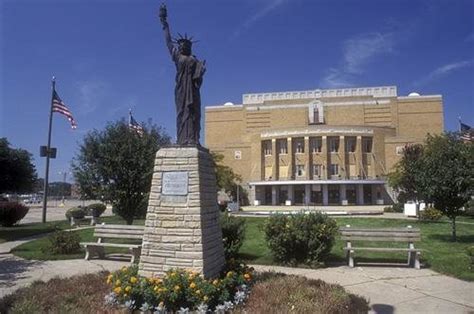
408	235
125	232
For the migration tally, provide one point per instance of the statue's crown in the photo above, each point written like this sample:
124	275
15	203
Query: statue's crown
184	39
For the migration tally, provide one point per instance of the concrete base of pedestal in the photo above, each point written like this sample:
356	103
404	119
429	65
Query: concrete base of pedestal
183	231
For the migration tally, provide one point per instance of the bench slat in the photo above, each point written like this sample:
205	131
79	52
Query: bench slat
120	227
123	232
379	234
111	244
406	230
381	249
118	236
386	239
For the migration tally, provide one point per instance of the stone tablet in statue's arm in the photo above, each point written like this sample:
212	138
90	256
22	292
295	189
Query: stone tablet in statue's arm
199	73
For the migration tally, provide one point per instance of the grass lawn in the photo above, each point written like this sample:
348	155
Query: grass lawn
439	252
31	229
36	250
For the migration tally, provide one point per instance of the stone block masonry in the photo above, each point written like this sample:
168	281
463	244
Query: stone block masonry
182	224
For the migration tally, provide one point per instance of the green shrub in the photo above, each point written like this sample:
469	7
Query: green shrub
96	209
63	242
469	208
300	238
431	214
233	234
388	209
76	212
11	213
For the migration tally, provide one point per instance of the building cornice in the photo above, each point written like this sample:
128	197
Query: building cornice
378	91
322	129
299	182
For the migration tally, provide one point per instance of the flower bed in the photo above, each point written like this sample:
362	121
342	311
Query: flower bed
180	290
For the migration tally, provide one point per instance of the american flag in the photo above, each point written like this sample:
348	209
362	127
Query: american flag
59	106
466	132
133	124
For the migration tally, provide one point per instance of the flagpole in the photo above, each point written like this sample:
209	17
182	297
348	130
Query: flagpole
46	176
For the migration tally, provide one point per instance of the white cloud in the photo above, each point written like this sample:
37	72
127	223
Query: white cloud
443	71
260	14
91	92
358	52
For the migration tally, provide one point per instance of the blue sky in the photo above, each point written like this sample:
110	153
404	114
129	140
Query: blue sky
109	56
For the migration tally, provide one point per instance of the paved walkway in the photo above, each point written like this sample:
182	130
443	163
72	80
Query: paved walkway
396	290
388	289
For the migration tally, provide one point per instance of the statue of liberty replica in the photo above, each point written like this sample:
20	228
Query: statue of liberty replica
182	227
189	75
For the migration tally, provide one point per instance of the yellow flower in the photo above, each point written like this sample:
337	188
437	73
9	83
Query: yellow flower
125	295
192	285
155	288
176	288
124	269
172	274
133	279
117	290
247	276
128	288
205	298
198	292
230	274
158	281
118	282
215	282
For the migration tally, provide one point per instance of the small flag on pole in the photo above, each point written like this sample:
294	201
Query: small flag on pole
133	124
60	107
466	132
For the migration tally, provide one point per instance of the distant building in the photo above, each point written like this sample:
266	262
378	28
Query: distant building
322	147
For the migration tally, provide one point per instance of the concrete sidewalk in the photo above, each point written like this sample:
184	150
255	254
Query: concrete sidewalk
395	289
388	289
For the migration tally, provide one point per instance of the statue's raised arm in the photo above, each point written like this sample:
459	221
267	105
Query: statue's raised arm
164	22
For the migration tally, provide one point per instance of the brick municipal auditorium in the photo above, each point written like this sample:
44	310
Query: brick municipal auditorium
323	146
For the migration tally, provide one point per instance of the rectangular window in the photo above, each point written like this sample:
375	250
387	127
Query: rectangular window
316	145
299	170
351	144
334	145
334	168
367	145
282	146
299	146
317	171
267	148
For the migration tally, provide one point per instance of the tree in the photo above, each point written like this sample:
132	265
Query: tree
441	172
406	178
227	179
448	174
116	166
17	172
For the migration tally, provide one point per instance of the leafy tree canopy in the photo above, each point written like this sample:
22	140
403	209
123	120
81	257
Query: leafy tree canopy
116	166
17	172
228	180
441	172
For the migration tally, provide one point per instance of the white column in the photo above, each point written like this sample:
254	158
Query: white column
274	195
325	194
291	193
360	194
342	194
307	193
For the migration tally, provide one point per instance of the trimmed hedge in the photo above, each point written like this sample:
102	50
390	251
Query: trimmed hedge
76	212
300	238
96	209
11	213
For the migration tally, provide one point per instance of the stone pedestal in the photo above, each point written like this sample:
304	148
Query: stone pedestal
182	224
